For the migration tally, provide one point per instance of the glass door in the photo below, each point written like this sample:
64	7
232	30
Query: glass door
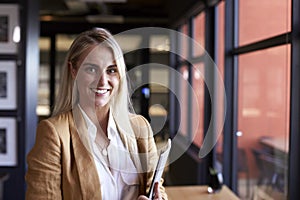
263	97
263	123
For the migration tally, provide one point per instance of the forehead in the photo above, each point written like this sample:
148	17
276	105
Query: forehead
100	53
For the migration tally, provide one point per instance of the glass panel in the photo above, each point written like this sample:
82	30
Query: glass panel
159	43
220	64
43	107
183	46
158	103
135	80
199	34
262	19
183	101
63	43
263	122
198	106
129	42
159	87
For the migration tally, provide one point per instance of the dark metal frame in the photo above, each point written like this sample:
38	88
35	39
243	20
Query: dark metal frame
294	143
52	71
209	98
230	78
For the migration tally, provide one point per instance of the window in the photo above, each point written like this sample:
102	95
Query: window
192	87
183	101
199	34
259	20
263	120
198	103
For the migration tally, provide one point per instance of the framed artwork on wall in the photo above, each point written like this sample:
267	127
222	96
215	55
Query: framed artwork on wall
9	28
8	82
8	142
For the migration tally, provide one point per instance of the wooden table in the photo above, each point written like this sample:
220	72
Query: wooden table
280	144
198	192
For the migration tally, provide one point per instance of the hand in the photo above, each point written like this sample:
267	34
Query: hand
157	195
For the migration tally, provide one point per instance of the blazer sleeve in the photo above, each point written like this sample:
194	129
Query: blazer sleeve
147	145
43	176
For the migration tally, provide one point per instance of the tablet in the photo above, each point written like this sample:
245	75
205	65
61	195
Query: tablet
162	160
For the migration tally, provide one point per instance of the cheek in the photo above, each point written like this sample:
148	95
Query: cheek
85	79
83	85
116	84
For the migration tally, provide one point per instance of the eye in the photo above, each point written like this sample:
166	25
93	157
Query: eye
90	69
112	69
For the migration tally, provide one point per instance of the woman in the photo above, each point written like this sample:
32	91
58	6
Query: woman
93	147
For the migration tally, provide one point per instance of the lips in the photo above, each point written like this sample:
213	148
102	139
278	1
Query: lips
100	90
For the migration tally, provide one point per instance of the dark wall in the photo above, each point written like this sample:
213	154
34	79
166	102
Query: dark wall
27	63
188	169
179	10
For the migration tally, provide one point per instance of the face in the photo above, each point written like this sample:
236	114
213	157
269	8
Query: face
97	78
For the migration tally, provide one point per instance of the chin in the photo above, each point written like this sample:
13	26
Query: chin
101	104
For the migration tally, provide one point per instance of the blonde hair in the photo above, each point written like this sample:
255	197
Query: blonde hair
66	97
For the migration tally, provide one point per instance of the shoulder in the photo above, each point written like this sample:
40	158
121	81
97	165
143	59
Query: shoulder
56	123
138	119
138	122
140	126
58	120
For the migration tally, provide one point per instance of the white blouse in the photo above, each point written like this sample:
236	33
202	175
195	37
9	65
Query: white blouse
117	174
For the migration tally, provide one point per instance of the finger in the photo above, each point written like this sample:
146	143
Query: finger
142	198
157	195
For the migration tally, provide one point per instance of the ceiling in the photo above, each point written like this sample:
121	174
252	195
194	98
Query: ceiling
72	15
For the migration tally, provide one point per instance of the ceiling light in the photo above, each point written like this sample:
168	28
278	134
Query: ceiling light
105	1
77	6
17	34
116	19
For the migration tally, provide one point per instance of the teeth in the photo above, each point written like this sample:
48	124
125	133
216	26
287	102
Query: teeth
100	91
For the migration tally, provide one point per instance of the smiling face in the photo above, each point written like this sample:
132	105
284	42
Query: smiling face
97	78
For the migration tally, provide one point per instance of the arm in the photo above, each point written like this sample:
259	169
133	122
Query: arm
147	144
157	194
43	176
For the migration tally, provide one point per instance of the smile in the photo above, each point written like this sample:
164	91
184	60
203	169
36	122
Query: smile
100	91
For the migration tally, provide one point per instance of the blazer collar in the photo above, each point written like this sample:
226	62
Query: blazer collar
89	182
130	143
90	185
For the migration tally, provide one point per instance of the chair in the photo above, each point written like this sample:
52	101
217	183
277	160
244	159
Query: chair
3	178
271	170
243	167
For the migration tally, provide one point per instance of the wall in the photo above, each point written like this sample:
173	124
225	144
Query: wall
26	58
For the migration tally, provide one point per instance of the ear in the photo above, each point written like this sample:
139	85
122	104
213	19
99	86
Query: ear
72	70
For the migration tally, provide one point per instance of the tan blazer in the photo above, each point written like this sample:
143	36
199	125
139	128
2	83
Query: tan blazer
61	167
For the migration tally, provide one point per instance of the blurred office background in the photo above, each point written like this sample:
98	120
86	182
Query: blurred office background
254	47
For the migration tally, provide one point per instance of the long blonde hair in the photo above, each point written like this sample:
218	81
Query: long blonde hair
66	97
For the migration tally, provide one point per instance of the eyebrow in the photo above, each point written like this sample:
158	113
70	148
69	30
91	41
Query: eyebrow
113	65
95	65
90	64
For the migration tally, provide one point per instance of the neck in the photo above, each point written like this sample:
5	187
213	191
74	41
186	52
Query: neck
99	116
102	119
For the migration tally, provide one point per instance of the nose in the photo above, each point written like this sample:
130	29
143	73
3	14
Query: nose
103	79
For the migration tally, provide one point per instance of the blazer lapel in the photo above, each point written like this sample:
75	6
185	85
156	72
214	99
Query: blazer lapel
87	172
130	143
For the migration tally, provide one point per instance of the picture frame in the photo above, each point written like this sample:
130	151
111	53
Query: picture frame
8	83
8	141
9	23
